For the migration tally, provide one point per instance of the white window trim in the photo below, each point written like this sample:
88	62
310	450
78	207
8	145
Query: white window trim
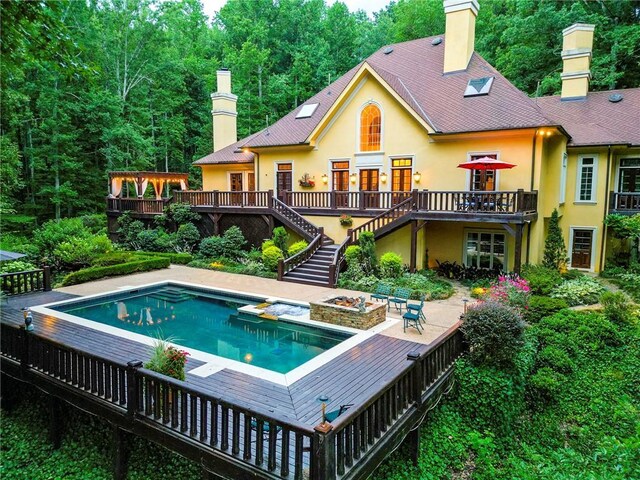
594	183
358	124
244	178
616	182
467	231
275	175
483	154
564	166
594	234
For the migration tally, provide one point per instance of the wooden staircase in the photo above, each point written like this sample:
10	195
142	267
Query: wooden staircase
315	270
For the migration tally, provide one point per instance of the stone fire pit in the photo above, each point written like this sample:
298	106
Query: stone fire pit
345	311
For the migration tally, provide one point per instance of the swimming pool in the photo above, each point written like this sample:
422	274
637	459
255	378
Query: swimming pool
241	328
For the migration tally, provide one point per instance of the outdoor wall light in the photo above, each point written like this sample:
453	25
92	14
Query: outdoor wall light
354	178
416	177
325	178
383	177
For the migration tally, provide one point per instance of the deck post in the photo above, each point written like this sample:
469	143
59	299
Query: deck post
132	387
24	355
413	438
324	440
332	199
361	202
517	260
520	200
120	454
414	244
46	278
215	198
280	269
55	422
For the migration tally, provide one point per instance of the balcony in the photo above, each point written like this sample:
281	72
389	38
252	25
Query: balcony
499	206
624	203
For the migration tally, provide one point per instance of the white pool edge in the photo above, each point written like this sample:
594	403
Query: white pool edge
215	363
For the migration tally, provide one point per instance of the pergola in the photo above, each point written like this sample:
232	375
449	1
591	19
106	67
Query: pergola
142	180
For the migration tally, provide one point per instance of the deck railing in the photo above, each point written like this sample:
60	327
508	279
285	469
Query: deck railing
336	200
307	228
261	444
386	217
623	202
137	205
17	283
217	198
508	202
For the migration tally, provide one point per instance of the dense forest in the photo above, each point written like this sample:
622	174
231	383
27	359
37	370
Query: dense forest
98	85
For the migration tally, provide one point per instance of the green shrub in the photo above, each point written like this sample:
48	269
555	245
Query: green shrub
113	258
177	258
280	238
572	275
555	250
254	255
577	331
96	223
425	282
540	307
16	266
270	257
167	360
129	230
186	238
545	385
494	332
542	280
234	242
297	247
48	237
617	307
555	358
391	265
353	255
95	273
78	252
267	244
581	291
368	244
176	214
212	247
152	239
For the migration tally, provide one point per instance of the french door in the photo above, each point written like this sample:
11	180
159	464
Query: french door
581	248
340	178
284	180
369	182
235	185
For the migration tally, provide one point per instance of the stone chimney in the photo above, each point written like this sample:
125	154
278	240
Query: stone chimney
576	60
460	33
224	113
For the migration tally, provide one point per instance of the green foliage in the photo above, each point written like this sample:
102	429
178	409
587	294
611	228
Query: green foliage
353	255
626	227
95	223
187	237
421	283
368	245
545	385
297	247
128	231
134	266
280	238
271	256
177	258
581	291
617	307
391	265
229	245
53	233
540	307
555	250
181	213
266	244
542	280
16	266
495	333
151	239
630	283
78	252
113	258
212	247
166	359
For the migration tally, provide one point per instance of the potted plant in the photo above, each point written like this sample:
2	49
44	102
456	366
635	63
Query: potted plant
306	181
346	220
167	359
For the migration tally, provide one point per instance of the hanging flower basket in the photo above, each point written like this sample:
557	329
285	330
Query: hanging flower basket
346	220
306	182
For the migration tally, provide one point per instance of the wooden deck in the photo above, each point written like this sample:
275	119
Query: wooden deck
215	419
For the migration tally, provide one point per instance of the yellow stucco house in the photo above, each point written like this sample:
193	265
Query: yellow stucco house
387	144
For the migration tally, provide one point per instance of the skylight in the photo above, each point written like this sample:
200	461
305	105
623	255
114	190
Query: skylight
307	110
478	86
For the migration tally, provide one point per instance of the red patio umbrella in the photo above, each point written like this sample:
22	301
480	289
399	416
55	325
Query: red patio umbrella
484	164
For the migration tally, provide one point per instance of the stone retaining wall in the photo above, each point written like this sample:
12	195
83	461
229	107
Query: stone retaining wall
348	316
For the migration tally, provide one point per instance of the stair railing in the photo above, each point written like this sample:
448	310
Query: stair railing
307	228
386	217
288	264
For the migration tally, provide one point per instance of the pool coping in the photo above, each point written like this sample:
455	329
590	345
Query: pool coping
214	363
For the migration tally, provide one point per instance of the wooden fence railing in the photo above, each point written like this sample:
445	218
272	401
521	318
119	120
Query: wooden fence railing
218	198
336	200
508	202
294	219
137	205
261	444
288	264
17	283
624	202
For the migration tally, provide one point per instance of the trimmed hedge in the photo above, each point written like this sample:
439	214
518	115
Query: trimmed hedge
95	273
177	258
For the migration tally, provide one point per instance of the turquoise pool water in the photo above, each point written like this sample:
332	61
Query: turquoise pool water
209	321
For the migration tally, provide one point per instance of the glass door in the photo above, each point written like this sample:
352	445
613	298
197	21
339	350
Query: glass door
581	248
340	178
235	184
284	180
369	183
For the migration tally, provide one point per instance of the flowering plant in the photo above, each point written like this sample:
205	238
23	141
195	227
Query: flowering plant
167	360
305	181
511	290
216	265
346	220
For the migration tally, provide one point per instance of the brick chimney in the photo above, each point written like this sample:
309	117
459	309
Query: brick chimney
224	112
460	33
576	60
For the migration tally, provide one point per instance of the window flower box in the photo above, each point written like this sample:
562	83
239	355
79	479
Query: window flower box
306	181
346	220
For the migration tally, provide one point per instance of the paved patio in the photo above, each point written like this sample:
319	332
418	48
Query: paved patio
441	314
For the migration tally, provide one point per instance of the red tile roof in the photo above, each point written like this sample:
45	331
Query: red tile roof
595	120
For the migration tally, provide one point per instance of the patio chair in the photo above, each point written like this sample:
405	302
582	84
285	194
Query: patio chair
416	308
412	320
266	427
333	414
382	293
400	298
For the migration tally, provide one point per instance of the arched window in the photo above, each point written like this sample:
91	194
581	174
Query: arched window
370	128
